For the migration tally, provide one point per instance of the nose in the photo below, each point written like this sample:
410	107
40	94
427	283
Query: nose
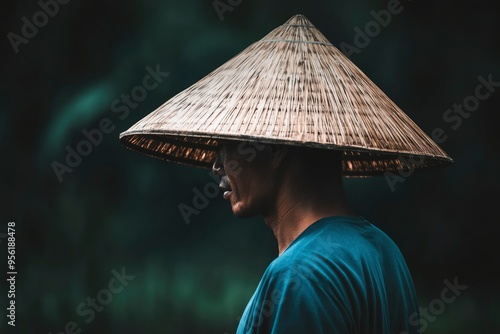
218	166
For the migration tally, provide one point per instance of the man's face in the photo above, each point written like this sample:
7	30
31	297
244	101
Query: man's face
248	181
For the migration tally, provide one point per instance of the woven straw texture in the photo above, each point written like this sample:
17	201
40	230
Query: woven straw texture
291	87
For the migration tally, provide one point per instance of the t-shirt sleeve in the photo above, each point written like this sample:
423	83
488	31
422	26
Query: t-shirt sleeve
292	302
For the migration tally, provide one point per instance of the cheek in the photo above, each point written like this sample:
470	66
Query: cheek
241	185
250	182
236	171
253	192
233	167
245	187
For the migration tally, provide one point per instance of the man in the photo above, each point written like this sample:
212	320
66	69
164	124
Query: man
307	116
335	273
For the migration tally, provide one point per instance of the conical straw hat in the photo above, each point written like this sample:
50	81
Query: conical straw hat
291	87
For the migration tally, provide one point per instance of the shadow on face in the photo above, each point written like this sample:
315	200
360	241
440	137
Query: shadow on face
254	173
248	177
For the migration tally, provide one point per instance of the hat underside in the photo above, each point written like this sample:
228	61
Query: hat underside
201	151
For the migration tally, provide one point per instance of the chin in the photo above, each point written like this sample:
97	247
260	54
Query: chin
242	211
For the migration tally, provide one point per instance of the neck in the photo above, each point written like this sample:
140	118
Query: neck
301	206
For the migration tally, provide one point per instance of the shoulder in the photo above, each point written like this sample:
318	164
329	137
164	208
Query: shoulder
336	252
328	276
334	239
342	239
289	301
294	298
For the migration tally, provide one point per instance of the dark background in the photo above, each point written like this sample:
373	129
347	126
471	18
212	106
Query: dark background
118	209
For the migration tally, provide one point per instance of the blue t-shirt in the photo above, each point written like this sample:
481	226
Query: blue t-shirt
341	275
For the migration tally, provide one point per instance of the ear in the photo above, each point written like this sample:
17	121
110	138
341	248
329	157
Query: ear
278	152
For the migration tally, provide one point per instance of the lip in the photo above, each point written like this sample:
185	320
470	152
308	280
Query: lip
225	187
227	194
